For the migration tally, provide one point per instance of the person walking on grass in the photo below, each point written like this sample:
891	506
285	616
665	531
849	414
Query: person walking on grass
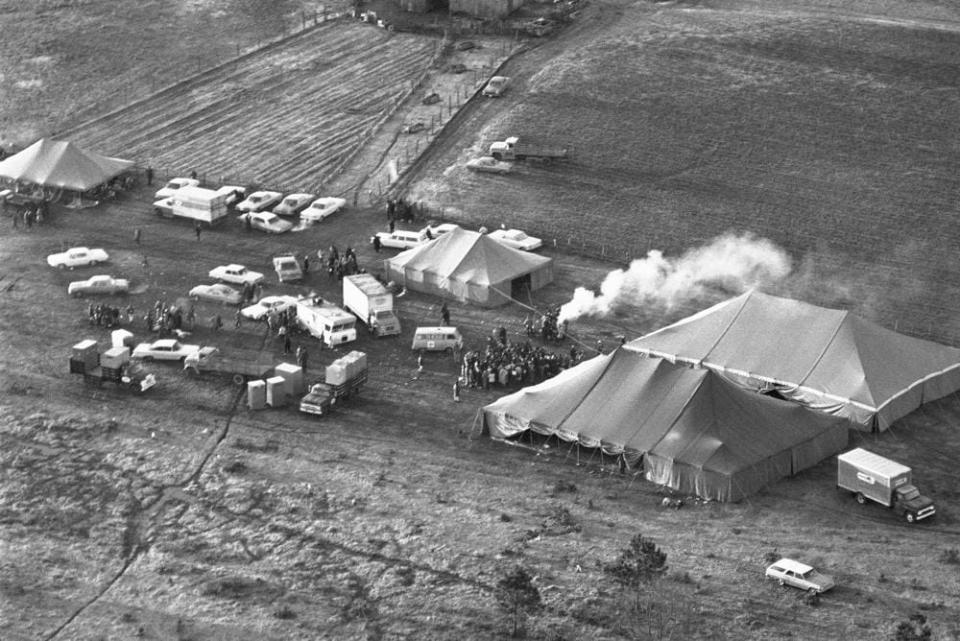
196	228
445	314
136	235
237	319
456	390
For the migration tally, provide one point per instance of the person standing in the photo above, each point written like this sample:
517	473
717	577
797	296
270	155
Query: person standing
302	358
419	363
237	319
445	314
286	342
376	244
196	228
136	235
456	390
149	173
306	264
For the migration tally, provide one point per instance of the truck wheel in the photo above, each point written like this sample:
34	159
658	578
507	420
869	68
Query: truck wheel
861	499
190	372
910	517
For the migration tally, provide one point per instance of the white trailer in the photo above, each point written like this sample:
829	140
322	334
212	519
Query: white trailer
195	203
366	297
325	321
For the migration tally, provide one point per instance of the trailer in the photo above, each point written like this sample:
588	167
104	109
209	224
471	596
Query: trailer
343	378
113	366
196	203
513	149
870	476
239	367
326	321
372	303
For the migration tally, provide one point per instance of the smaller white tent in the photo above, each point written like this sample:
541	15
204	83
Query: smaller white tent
61	164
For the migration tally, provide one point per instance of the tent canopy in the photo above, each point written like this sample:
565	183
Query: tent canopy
827	359
469	266
695	431
62	164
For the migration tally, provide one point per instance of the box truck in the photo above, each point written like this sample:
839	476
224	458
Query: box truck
871	476
366	297
325	321
195	203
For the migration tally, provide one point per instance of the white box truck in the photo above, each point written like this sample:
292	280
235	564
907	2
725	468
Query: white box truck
871	476
195	203
366	297
325	321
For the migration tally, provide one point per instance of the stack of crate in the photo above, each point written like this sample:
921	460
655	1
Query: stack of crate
85	357
113	360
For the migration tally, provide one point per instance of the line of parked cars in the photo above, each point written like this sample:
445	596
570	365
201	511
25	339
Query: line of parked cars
410	238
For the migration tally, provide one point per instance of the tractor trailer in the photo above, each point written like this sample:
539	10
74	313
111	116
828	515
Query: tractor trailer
513	149
366	297
871	476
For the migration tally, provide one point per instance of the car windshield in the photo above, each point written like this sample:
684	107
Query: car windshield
909	492
519	235
173	184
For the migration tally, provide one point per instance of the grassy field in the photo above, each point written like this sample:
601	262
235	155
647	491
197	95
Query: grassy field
826	127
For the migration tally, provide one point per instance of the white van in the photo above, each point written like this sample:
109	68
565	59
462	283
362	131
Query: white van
437	339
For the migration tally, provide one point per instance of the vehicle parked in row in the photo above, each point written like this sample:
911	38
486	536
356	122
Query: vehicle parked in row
287	268
77	257
496	86
489	165
799	575
267	304
217	293
164	349
259	200
438	229
413	127
436	339
402	238
516	239
173	185
100	284
266	221
234	194
293	204
194	203
322	208
235	274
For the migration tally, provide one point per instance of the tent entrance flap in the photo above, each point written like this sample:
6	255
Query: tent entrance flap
520	287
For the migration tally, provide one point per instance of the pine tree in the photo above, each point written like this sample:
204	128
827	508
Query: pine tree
517	596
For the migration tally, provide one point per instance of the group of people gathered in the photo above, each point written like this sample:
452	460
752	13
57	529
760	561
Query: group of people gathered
109	317
503	363
340	265
547	326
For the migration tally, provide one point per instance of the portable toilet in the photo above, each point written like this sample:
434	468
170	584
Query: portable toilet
122	338
276	391
256	395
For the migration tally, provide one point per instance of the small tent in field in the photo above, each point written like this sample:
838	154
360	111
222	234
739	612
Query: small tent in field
690	429
470	267
62	165
826	359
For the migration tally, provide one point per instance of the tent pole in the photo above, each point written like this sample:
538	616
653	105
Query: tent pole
572	443
578	452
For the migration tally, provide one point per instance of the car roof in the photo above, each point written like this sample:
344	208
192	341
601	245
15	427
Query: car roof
794	566
234	266
165	342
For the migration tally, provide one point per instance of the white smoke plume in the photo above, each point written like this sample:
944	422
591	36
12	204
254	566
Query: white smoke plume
735	263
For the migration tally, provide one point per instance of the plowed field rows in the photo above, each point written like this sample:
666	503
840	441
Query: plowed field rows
286	116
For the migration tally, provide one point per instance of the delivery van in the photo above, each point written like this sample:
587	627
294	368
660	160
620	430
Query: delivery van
437	339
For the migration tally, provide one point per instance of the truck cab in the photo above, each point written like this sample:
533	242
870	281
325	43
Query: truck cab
913	505
504	149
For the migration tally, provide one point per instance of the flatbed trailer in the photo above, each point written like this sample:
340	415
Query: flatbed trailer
240	368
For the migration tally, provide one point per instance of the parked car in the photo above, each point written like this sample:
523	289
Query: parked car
799	575
267	304
465	45
173	185
489	164
293	204
401	238
234	193
496	86
438	229
165	349
235	274
101	284
217	293
516	239
457	67
431	99
77	257
259	200
413	127
267	221
322	208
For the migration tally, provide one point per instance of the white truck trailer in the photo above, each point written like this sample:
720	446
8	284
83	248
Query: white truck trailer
366	297
325	321
871	476
513	148
196	203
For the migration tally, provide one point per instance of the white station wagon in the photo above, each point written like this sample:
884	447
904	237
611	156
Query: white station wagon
799	575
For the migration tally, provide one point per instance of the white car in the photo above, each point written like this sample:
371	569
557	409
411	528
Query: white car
101	284
259	200
173	185
293	204
438	229
402	239
234	193
799	575
268	304
322	208
77	257
235	274
516	239
489	165
217	293
165	349
496	86
267	221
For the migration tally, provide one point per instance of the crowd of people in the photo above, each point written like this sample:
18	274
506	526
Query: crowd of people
547	326
339	265
502	363
108	316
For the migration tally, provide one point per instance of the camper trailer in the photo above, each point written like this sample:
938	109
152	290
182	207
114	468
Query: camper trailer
326	321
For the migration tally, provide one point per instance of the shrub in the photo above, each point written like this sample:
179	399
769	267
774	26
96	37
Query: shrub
915	628
950	556
517	596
